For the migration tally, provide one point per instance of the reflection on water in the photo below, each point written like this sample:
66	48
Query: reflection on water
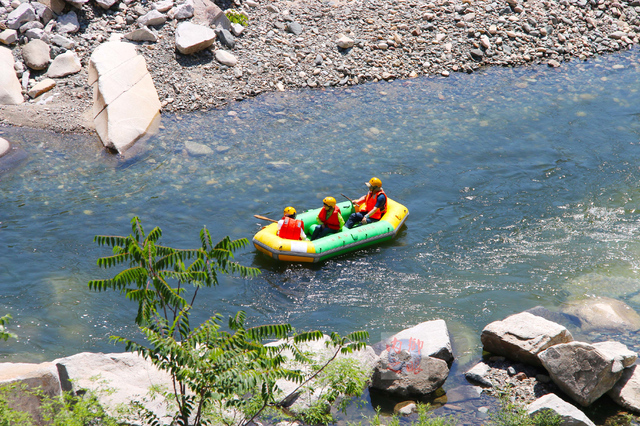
522	186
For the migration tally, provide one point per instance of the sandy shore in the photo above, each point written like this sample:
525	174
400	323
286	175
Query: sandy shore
290	45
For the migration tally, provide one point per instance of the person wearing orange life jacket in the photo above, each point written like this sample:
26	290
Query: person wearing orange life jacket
289	227
330	220
373	205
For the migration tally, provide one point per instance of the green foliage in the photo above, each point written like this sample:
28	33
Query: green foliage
9	416
213	370
514	414
237	17
425	418
4	334
72	410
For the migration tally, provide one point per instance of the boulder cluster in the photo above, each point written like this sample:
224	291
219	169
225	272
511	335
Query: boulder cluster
198	58
536	358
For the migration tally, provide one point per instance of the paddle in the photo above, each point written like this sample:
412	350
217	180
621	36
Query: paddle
348	199
264	218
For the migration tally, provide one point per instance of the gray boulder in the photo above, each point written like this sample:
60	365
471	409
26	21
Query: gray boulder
430	338
68	23
10	88
21	15
580	370
603	313
36	55
626	392
479	374
570	415
522	337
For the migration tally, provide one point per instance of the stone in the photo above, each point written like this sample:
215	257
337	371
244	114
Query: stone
405	408
226	58
10	88
184	11
217	19
141	34
484	41
32	376
35	34
57	6
294	28
36	55
8	36
106	4
621	355
31	25
344	42
553	63
429	338
62	41
604	314
479	374
125	101
570	415
64	64
68	23
226	38
42	87
580	370
129	376
21	15
237	29
191	38
476	54
152	17
196	149
618	35
463	393
626	391
163	6
44	13
521	337
5	147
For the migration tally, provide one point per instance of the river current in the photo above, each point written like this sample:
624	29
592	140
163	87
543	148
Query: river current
522	186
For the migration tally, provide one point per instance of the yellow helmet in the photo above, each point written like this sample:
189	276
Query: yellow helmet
375	182
330	201
289	211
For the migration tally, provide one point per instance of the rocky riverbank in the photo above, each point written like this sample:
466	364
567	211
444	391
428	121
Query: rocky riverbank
297	44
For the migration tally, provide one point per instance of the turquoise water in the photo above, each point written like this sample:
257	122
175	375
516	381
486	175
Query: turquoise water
522	185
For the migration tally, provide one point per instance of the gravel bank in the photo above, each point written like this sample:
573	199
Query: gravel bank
294	44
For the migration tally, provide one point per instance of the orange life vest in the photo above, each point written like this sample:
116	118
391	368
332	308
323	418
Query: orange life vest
290	228
333	222
370	203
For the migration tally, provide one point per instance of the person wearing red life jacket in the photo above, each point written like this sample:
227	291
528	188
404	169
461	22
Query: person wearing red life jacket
330	220
372	206
289	227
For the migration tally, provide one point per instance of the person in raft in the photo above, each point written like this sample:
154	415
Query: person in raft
289	227
330	220
373	205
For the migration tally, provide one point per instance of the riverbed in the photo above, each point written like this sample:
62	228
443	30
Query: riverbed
522	187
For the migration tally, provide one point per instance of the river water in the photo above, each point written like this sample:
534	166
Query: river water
522	185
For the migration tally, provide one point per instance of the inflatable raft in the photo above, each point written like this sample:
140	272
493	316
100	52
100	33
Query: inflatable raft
346	241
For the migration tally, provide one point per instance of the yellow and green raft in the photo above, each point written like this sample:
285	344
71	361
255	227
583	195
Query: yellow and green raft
321	249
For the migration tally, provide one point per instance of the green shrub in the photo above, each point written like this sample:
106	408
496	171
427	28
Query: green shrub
237	17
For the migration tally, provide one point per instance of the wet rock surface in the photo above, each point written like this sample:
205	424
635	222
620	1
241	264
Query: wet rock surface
312	44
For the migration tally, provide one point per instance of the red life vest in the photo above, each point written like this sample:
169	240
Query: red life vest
333	222
370	203
290	228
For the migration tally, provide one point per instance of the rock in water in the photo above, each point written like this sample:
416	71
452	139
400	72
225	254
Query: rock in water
569	414
4	147
126	104
10	89
603	313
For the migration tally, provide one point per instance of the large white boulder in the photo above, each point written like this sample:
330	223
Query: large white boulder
116	379
521	337
415	360
581	371
32	376
570	415
10	89
125	101
191	38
